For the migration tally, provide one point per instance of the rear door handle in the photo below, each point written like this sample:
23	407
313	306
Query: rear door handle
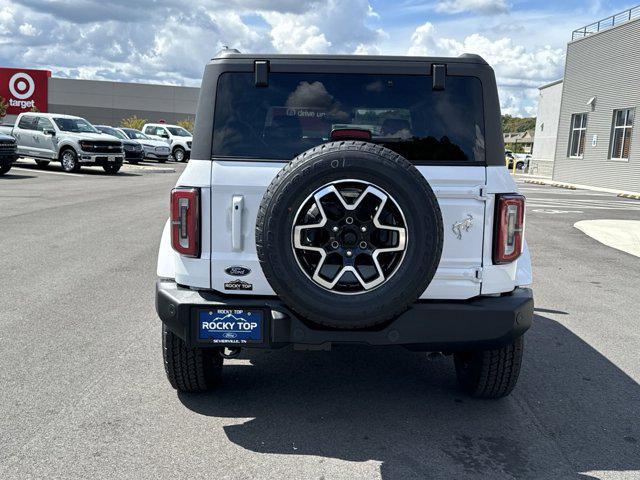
237	205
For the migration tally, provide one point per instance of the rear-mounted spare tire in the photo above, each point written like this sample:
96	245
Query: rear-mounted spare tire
349	234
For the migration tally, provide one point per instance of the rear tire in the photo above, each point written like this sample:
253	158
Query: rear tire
490	373
190	369
5	169
42	163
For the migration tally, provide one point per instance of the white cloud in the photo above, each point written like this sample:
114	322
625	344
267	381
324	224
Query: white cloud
363	49
164	42
478	6
28	30
336	26
520	68
423	41
161	41
290	33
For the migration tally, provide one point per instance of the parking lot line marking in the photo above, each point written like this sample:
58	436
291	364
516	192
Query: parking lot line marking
33	170
585	201
583	207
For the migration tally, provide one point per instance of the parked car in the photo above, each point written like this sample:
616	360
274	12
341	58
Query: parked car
179	139
292	226
522	160
153	149
70	140
8	153
133	151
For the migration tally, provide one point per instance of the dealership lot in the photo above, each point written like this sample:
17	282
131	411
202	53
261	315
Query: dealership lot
84	395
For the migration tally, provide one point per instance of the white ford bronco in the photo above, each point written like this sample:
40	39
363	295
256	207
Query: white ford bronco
346	199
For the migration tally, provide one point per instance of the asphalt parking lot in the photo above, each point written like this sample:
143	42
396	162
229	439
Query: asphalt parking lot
84	394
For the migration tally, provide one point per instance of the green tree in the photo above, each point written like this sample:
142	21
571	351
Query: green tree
133	122
3	107
517	124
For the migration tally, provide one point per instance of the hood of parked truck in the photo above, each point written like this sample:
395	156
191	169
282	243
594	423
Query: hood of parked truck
6	130
6	138
153	143
89	136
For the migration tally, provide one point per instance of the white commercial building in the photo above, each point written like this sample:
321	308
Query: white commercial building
544	146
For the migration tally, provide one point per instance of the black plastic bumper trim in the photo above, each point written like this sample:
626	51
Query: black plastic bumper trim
479	323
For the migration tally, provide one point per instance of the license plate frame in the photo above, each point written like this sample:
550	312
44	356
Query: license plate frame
111	158
230	326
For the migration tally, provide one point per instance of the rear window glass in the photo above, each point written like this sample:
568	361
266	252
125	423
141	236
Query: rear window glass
299	111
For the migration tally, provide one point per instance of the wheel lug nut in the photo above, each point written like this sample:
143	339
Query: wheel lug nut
349	253
363	229
349	220
335	229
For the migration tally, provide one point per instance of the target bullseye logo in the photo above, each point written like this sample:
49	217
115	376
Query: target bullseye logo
24	89
21	86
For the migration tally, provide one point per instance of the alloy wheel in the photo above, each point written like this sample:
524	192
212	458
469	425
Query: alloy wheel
349	237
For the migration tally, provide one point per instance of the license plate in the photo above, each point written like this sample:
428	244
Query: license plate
111	158
223	325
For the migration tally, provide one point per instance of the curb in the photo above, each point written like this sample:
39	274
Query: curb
552	184
571	186
630	195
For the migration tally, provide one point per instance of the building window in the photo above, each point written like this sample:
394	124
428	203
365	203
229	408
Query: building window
578	132
621	134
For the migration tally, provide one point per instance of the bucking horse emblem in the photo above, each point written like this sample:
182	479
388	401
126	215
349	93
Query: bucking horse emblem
463	225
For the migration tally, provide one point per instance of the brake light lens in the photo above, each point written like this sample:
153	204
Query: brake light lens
509	228
350	134
185	221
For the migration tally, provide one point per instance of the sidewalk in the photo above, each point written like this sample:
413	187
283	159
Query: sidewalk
622	235
575	186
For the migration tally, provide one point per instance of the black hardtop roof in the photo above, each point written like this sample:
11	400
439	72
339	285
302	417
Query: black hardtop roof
232	54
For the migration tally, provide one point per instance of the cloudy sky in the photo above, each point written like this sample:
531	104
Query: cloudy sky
169	41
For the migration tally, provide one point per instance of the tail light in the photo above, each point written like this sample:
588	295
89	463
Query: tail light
185	221
509	228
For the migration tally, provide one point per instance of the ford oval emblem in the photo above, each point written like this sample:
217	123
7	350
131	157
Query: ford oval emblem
229	335
237	271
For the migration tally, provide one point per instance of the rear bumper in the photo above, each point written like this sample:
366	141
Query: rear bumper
101	159
481	323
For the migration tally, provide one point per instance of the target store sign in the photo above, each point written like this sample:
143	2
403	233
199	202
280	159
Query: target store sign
24	90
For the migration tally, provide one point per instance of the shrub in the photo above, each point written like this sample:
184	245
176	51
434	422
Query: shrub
133	122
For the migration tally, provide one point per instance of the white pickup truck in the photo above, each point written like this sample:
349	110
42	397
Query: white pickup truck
178	138
70	140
